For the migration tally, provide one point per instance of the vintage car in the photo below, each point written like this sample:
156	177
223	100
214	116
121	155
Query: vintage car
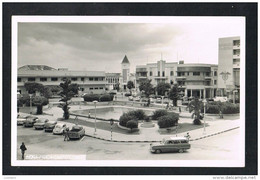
29	122
49	126
76	132
172	144
21	119
221	99
39	124
59	128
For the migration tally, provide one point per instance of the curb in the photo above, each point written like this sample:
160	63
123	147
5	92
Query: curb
109	140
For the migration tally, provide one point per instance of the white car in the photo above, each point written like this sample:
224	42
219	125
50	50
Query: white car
130	98
21	119
59	128
221	99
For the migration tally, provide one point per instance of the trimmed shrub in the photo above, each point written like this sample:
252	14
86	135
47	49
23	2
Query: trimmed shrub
138	114
168	121
147	119
132	124
106	98
91	97
230	108
125	118
196	122
159	113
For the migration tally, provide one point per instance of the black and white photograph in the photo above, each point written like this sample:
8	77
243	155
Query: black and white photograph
128	91
139	89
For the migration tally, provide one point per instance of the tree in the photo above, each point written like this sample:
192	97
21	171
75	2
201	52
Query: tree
195	106
147	87
33	87
162	87
174	94
66	94
130	85
39	101
132	124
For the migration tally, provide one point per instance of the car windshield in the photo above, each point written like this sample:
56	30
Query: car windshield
58	126
40	120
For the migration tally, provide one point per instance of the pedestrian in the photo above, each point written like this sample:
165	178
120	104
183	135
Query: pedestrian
221	115
89	114
23	149
188	136
66	136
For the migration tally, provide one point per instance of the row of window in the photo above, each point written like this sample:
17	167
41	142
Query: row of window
207	83
163	73
197	73
92	88
56	79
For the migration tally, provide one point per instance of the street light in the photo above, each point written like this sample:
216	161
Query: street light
204	104
30	95
95	102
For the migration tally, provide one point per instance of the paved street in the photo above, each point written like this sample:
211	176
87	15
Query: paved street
221	147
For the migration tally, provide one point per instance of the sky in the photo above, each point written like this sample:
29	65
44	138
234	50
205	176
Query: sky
102	46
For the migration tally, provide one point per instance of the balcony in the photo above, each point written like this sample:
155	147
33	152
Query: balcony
141	77
236	56
208	77
181	77
160	77
237	46
236	65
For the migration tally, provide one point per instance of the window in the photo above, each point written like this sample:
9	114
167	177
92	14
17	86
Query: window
196	73
31	79
172	73
91	88
96	79
181	74
43	79
151	73
54	79
163	73
158	73
188	73
82	79
208	74
207	83
100	87
215	82
74	79
96	87
19	79
215	73
91	78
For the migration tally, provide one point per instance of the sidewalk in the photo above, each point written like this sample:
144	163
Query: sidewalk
214	126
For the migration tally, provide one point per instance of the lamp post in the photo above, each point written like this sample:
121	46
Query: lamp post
95	102
204	104
162	100
30	95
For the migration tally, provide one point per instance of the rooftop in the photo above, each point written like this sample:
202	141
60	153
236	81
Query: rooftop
56	73
125	60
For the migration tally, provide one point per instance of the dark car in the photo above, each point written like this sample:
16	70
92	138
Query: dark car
76	132
49	126
29	122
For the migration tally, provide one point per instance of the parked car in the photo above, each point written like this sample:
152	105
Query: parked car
137	98
127	94
221	99
39	124
29	122
172	144
21	119
76	132
130	98
49	126
59	128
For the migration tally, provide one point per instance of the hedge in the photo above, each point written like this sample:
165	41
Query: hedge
132	115
159	113
169	120
226	107
98	97
132	124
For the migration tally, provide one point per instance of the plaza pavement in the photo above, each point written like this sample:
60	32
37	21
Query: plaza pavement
214	126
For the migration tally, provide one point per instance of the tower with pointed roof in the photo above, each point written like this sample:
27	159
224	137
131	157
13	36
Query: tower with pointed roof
125	69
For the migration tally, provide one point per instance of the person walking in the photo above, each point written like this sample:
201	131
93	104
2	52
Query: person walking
188	136
66	136
23	149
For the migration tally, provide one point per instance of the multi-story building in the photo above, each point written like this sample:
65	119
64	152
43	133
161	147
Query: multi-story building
88	81
112	80
193	79
229	66
198	80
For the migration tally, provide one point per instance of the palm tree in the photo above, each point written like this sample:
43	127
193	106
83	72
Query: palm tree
195	106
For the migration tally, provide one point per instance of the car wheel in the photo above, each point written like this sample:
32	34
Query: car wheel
181	151
158	151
